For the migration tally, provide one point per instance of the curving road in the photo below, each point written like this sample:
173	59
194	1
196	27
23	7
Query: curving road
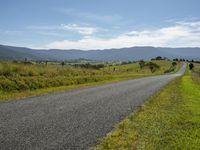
74	119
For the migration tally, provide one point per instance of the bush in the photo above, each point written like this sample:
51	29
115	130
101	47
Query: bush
6	70
174	64
191	66
21	85
152	66
7	85
171	69
141	63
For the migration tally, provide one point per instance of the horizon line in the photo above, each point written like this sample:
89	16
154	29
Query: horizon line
95	49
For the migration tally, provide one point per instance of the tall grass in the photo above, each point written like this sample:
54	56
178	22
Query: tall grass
196	73
19	77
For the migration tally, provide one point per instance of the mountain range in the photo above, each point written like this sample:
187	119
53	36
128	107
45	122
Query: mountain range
121	54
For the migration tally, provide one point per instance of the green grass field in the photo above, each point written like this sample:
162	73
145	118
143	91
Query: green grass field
169	120
19	80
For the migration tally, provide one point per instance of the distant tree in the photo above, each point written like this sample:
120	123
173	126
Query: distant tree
87	65
27	62
142	63
165	58
176	59
152	66
158	58
99	66
124	63
174	64
191	66
15	61
62	63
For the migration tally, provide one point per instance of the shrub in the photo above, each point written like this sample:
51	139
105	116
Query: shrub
141	63
7	85
21	85
174	64
191	66
171	69
152	66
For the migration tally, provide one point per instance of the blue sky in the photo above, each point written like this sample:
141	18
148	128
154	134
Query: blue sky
99	24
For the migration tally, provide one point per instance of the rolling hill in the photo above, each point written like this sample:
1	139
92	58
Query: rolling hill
122	54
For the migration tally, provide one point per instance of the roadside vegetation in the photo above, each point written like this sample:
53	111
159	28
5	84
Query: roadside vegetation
195	72
21	79
169	120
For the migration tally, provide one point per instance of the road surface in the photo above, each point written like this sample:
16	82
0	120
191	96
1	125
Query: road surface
74	119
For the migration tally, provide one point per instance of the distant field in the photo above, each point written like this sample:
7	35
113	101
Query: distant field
169	120
20	80
134	68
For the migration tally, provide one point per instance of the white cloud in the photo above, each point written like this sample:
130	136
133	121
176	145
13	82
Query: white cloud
10	32
113	18
84	30
44	28
100	18
81	29
181	34
192	24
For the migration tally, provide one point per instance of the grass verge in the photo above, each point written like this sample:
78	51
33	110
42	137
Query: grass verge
21	80
7	96
169	120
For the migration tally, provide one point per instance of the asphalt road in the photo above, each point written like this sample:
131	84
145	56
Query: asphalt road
74	119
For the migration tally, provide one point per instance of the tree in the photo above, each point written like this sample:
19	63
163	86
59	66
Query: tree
191	66
158	58
152	66
62	63
176	59
141	63
124	63
174	64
